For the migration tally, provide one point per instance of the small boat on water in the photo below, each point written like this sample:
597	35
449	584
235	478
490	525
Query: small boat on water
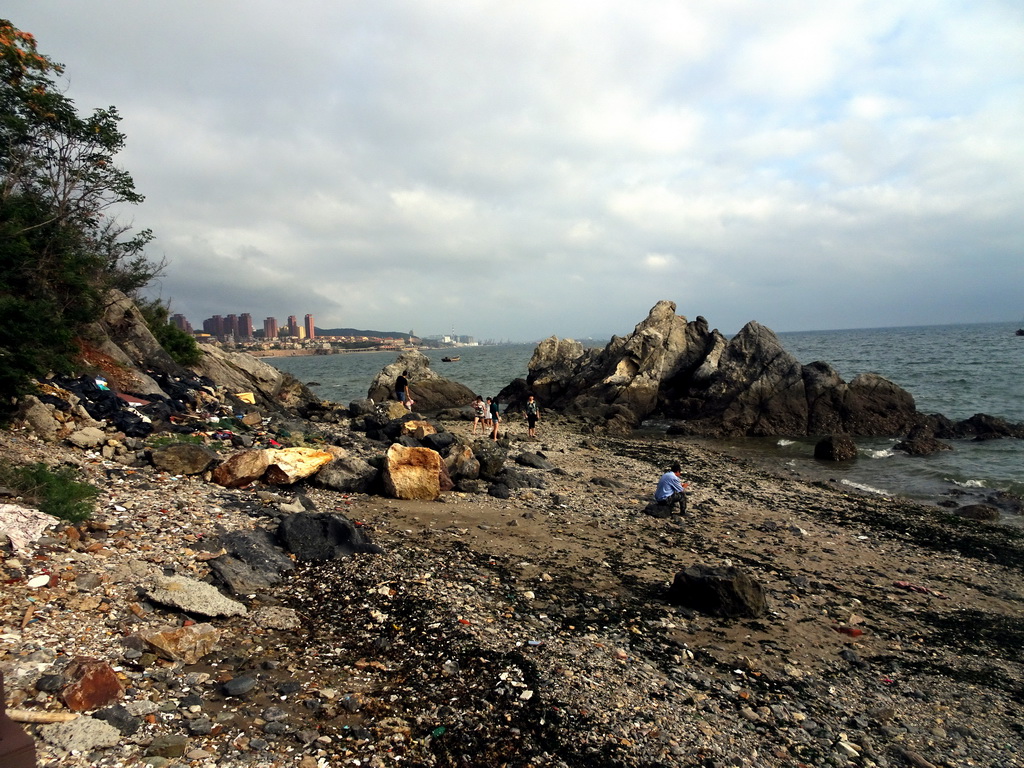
451	359
1020	331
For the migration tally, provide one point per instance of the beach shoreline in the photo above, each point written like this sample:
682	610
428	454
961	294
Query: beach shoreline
535	630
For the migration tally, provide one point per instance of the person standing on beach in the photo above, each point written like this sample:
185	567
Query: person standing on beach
532	417
671	490
479	414
402	390
495	418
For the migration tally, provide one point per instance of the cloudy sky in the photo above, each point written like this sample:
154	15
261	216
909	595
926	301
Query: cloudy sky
517	170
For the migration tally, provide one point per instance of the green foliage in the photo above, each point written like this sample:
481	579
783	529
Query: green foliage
173	438
59	252
56	492
181	346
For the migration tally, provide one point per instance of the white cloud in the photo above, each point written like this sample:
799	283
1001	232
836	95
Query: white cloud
416	164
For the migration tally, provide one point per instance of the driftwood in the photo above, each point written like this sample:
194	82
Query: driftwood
33	716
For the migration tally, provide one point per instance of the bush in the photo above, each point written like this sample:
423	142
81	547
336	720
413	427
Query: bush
181	346
56	492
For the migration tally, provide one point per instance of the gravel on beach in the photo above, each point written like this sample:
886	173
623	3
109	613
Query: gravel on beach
530	631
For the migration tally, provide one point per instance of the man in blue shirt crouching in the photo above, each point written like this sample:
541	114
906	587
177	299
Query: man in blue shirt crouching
671	490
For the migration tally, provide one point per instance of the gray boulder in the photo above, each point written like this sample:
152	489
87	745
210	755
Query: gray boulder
183	458
347	474
193	596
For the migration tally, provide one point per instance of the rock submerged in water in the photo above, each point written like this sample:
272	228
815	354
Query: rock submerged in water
835	448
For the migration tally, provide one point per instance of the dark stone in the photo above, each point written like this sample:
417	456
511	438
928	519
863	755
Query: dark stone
499	491
654	509
728	592
535	460
201	726
439	441
981	512
239	686
922	442
835	448
120	718
491	457
471	485
606	482
253	563
51	683
348	474
322	537
362	407
168	745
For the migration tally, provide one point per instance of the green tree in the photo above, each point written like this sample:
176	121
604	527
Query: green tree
181	346
59	251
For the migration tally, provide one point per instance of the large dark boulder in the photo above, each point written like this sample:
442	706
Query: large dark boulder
430	391
491	457
319	537
876	406
922	442
727	592
253	561
835	448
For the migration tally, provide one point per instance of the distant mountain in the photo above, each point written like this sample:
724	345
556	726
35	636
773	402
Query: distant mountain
357	332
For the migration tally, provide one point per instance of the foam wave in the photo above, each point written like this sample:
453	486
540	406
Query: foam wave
866	488
970	483
881	453
783	442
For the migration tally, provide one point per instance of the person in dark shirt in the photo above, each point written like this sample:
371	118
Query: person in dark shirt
402	390
494	417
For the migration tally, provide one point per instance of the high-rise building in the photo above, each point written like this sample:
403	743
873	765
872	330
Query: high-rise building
310	329
270	328
293	326
214	326
181	323
245	325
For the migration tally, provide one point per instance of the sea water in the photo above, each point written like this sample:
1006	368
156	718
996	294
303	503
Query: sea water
955	370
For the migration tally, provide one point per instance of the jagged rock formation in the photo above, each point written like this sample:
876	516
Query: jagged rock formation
431	391
748	385
146	386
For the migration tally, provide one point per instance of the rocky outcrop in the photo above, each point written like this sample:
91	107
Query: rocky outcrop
714	387
430	391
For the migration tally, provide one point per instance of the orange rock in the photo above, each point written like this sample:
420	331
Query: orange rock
94	684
